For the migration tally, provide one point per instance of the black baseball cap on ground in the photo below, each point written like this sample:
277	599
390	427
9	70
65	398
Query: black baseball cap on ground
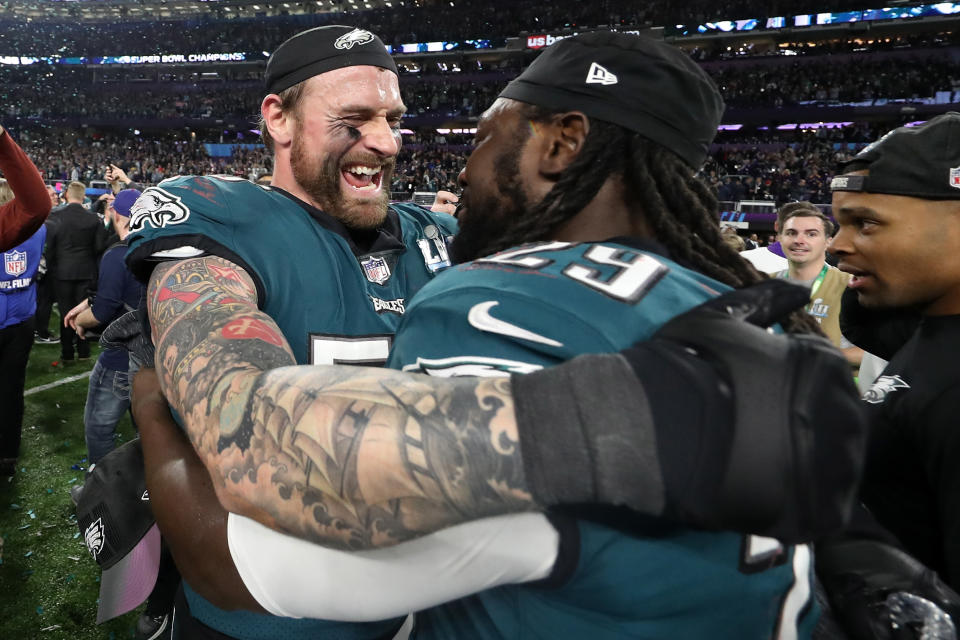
639	83
117	523
919	162
322	49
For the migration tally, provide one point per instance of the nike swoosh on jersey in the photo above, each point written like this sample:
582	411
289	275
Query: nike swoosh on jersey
480	318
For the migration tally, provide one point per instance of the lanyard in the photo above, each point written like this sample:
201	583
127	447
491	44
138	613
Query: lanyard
816	283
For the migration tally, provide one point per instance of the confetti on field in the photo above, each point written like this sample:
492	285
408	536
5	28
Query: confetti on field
49	490
28	554
40	610
72	480
76	535
75	559
14	506
26	526
51	628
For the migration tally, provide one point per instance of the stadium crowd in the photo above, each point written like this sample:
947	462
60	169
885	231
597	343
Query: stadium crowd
418	22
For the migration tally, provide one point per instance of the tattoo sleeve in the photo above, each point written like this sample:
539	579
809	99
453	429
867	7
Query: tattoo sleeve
349	457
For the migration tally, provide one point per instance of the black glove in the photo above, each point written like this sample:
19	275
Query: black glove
131	331
713	422
878	592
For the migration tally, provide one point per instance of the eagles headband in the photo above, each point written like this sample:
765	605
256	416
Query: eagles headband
323	49
641	84
918	162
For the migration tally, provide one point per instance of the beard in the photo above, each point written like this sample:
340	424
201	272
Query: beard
486	221
320	178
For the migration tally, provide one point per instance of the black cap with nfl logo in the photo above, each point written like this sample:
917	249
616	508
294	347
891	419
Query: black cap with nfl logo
918	162
118	527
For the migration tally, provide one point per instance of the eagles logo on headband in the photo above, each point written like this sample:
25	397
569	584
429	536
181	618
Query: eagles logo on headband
323	49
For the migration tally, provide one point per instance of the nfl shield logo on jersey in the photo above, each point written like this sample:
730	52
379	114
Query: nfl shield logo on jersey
15	262
955	177
376	269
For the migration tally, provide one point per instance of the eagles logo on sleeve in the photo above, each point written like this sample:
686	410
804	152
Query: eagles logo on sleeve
158	208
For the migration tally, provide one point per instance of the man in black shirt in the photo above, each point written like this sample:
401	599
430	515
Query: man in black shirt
898	207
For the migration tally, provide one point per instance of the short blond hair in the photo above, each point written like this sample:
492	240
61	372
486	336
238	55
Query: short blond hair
76	190
6	193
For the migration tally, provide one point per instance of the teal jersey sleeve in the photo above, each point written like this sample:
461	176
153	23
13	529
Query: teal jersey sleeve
534	307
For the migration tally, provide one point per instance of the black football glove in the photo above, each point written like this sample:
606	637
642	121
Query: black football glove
714	422
878	592
131	331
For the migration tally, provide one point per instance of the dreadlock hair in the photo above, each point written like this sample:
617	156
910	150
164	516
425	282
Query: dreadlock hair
681	210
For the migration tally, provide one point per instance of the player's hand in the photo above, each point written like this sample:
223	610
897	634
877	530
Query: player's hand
127	332
878	592
445	202
119	175
719	423
70	320
790	467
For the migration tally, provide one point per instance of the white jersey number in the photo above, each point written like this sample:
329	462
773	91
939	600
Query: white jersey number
365	351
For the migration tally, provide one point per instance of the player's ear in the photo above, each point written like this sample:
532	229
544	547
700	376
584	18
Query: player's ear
278	122
568	134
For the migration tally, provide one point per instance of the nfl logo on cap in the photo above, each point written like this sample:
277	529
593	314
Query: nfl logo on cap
376	269
15	262
955	177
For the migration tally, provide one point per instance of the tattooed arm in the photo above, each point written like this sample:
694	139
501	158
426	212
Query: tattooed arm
349	457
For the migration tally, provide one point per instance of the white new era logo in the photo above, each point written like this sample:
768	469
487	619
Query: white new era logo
599	75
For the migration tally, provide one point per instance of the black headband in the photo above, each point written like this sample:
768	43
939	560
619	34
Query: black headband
323	49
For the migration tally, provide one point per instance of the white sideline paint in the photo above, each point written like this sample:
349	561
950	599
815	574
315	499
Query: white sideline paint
67	380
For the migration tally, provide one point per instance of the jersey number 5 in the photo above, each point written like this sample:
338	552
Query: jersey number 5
762	554
365	351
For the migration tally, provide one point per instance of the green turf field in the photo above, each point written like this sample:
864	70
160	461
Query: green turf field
48	582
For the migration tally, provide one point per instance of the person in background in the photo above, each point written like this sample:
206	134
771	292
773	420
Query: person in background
22	215
76	240
897	204
18	303
108	394
45	289
804	235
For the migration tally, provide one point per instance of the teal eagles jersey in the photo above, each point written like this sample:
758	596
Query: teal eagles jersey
334	302
536	306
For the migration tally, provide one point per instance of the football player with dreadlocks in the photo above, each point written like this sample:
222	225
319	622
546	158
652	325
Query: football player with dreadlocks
580	149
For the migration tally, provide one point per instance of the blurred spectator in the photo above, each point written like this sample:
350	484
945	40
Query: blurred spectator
23	213
77	237
45	291
108	394
18	300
